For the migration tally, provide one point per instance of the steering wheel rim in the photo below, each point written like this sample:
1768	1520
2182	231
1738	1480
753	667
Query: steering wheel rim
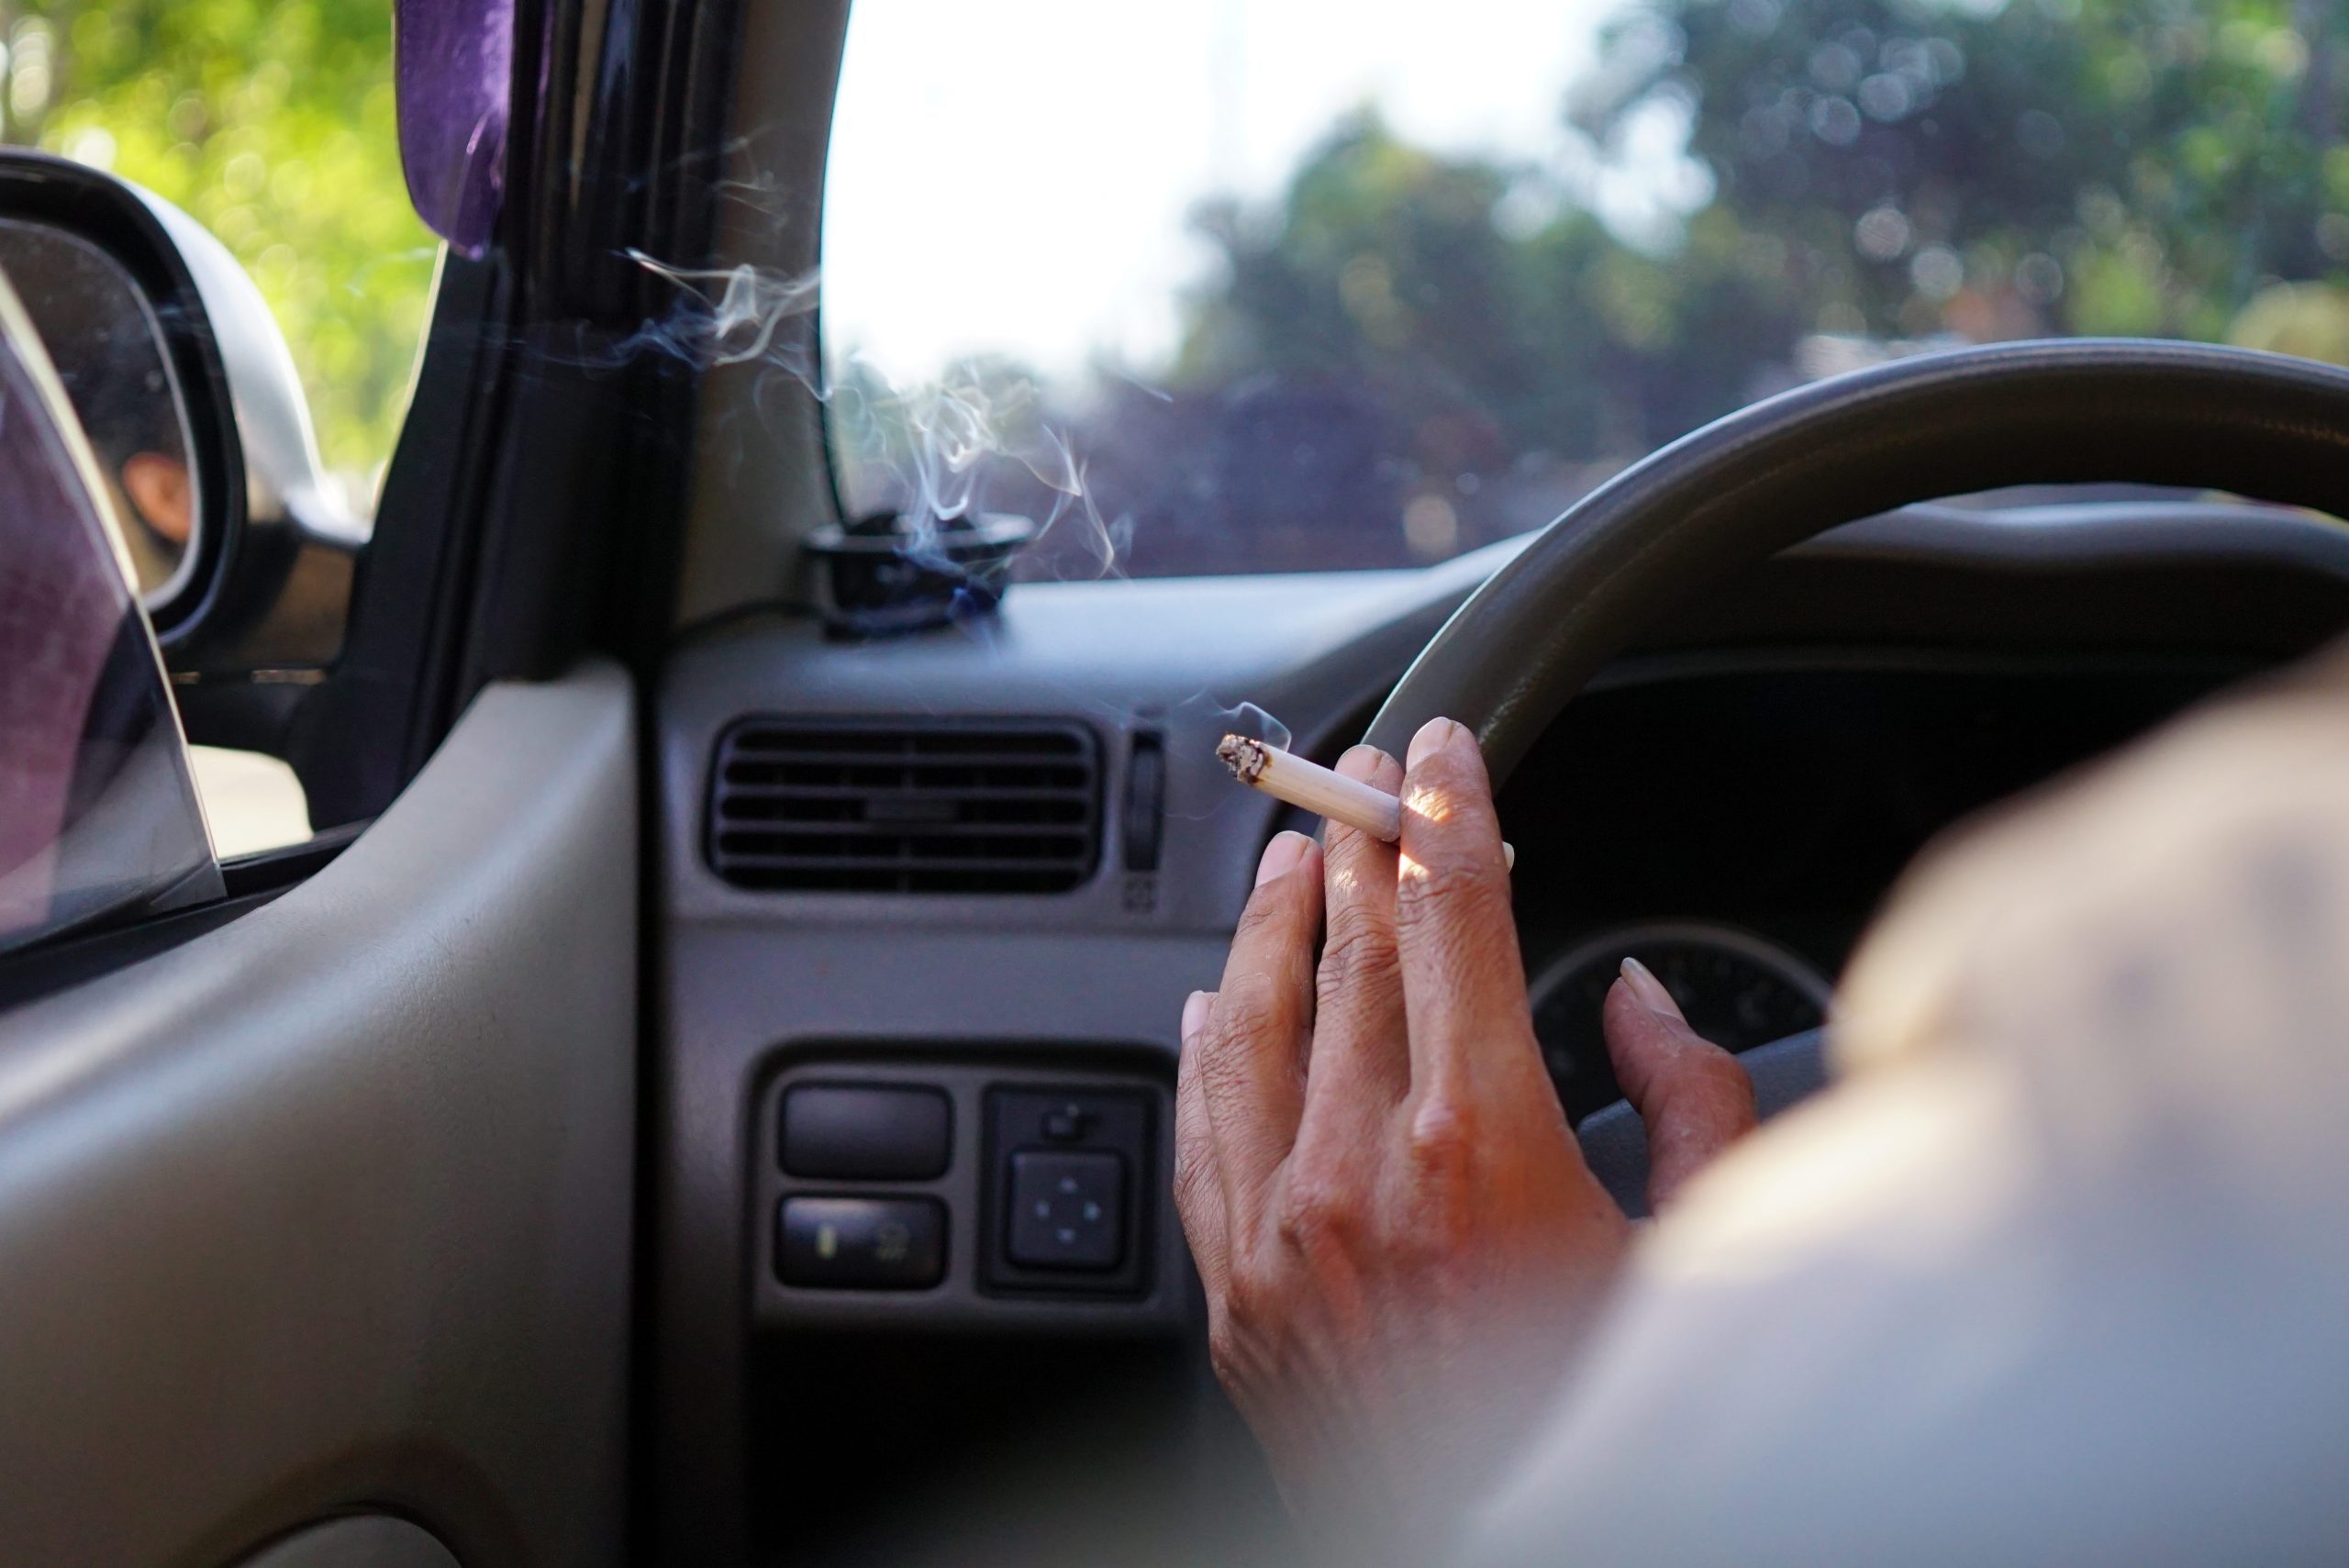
1738	491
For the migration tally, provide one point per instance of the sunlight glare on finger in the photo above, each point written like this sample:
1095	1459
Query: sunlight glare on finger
1425	800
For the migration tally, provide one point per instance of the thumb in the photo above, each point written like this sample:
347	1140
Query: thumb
1693	1096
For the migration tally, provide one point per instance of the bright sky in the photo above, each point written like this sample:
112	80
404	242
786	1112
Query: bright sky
1015	175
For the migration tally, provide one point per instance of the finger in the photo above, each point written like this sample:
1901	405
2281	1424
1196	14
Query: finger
1198	1189
1464	983
1693	1096
1251	1052
1360	1062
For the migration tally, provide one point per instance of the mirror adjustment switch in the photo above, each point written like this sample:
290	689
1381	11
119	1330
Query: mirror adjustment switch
1066	1211
1071	1173
866	1132
861	1243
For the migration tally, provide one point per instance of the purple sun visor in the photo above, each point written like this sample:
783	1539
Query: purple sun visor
453	63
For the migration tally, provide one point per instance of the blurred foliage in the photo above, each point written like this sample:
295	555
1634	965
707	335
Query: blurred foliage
270	122
1386	270
2067	165
1869	173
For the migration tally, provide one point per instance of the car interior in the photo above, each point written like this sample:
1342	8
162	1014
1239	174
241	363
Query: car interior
697	1087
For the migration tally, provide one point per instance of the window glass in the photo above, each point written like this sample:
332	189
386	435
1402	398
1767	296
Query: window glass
1314	283
270	122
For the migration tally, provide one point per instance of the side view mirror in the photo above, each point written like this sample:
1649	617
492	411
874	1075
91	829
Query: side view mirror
98	812
241	551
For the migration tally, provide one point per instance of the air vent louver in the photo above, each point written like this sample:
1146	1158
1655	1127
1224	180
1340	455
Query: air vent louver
875	806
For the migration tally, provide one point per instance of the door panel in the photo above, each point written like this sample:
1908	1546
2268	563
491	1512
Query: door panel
329	1208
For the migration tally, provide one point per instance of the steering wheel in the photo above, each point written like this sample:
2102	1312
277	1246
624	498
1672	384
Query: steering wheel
1730	495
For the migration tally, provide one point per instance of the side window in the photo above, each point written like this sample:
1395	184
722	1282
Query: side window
273	126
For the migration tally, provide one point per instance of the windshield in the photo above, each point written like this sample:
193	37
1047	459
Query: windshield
1302	285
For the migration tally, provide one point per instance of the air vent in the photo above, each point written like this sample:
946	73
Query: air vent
874	807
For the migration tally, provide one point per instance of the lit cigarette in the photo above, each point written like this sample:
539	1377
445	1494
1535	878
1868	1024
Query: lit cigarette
1309	786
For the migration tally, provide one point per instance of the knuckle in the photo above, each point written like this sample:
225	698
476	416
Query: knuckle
1371	765
1193	1175
1320	1215
1705	1065
1707	1086
1252	1006
1465	939
1730	1084
1223	1352
1721	1065
1442	885
1269	909
1252	917
1247	1301
1453	779
1442	1142
1437	790
1356	953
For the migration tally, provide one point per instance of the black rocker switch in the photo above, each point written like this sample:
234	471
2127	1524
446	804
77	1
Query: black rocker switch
861	1243
1067	1211
866	1132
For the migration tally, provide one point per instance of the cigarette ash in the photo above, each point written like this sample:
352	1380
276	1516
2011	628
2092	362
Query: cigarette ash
1245	758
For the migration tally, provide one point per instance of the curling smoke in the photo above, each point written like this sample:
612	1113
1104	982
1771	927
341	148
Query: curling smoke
1202	715
729	316
1197	724
973	439
1254	722
932	450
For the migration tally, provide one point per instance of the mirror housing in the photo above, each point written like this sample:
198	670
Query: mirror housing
267	589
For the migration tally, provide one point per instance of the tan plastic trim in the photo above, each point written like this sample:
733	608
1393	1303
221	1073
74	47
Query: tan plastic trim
329	1210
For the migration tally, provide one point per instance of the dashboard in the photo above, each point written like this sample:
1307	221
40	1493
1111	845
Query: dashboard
973	873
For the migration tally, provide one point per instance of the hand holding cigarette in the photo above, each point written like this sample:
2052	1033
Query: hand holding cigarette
1401	1247
1309	786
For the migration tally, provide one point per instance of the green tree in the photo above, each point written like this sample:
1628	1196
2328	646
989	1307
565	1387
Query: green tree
1875	168
1394	270
271	123
2138	166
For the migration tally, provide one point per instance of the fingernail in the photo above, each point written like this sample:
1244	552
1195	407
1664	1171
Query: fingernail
1651	991
1195	1015
1361	762
1281	855
1434	737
